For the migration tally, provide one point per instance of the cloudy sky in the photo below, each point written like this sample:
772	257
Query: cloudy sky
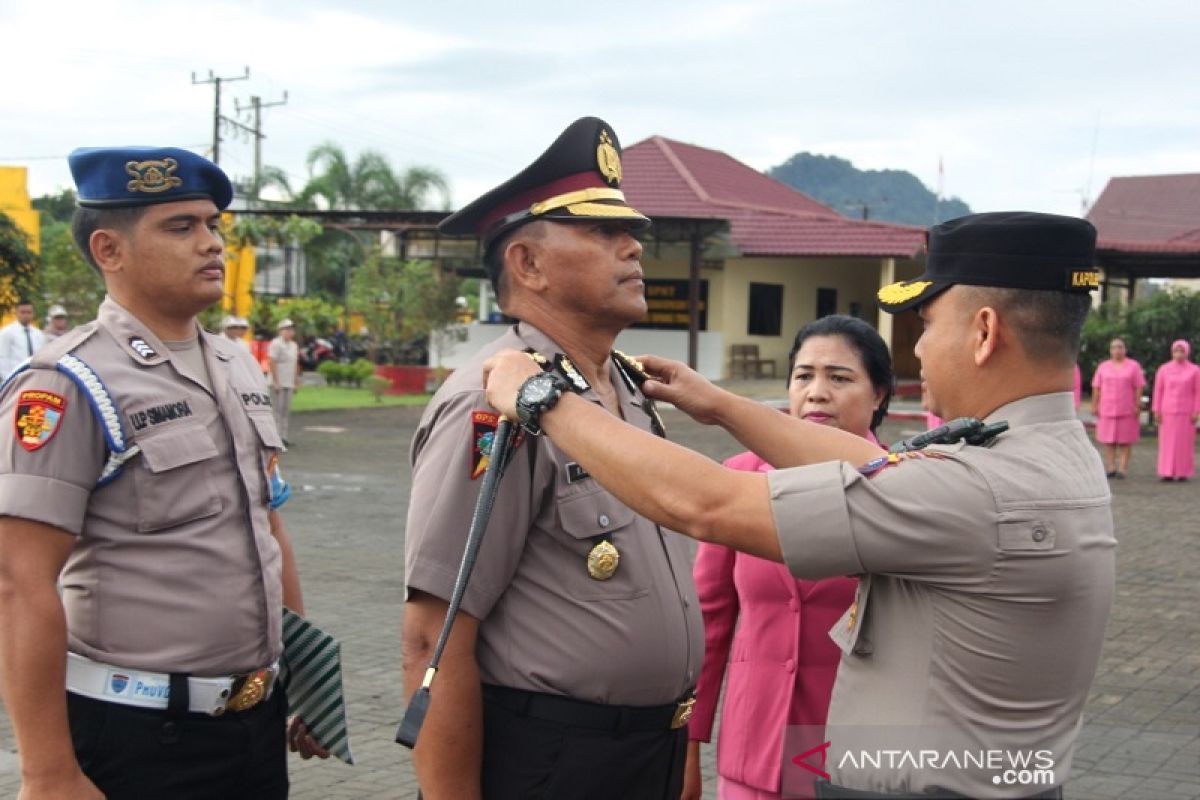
1030	105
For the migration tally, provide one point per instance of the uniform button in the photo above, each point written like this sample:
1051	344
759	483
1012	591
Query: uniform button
603	520
793	604
1039	534
790	665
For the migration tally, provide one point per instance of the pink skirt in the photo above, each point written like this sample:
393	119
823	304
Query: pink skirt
1176	446
1118	430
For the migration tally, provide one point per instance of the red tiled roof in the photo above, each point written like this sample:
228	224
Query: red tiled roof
1149	213
665	178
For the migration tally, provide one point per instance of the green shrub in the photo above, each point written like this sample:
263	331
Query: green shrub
333	372
378	385
359	371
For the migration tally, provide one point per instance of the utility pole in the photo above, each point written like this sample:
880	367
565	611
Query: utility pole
216	82
257	105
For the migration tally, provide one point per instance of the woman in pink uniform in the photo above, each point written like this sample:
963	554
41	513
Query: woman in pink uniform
1116	402
1176	407
768	628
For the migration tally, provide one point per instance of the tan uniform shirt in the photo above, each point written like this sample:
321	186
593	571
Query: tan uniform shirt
978	627
175	568
546	626
284	355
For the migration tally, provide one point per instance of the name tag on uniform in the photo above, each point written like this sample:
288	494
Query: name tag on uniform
576	473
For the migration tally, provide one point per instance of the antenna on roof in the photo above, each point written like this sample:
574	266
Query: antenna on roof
1085	197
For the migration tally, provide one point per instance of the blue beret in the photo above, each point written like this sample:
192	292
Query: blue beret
1006	249
120	177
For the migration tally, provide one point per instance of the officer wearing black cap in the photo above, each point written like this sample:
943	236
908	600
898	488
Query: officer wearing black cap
987	561
569	672
138	470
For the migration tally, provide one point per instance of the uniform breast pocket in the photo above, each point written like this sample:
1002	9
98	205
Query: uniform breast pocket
173	478
584	520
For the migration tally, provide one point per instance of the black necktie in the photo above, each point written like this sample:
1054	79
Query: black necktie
28	340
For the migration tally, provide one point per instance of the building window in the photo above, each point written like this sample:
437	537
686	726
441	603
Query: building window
766	309
826	302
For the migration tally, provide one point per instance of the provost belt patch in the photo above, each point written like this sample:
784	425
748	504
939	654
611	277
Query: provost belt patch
37	417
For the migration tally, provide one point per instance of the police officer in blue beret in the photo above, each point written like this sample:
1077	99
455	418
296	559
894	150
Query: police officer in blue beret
987	562
138	471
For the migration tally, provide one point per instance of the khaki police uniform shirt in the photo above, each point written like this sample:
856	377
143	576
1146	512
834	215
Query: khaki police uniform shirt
175	568
989	578
545	625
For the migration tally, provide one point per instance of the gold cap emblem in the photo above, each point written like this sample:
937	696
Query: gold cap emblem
603	560
153	176
902	292
608	161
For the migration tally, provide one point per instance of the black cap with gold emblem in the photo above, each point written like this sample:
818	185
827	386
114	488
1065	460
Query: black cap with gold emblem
1007	249
577	178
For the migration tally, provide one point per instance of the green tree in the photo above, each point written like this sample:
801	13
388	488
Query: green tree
1148	326
401	301
18	264
56	207
368	182
67	278
311	315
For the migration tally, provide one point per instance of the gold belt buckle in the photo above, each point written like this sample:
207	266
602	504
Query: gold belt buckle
683	713
249	691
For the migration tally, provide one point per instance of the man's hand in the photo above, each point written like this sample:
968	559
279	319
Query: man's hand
71	786
301	741
678	384
503	375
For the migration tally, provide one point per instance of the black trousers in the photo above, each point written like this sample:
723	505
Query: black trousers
531	759
143	754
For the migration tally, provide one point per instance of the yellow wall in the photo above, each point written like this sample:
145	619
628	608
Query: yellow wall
14	201
855	279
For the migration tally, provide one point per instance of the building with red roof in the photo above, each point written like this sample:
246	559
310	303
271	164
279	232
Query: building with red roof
779	260
1148	226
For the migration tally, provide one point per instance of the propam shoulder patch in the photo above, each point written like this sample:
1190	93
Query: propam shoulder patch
37	417
483	434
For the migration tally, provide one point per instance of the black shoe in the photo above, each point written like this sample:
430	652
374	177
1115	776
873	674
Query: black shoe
1119	475
1109	474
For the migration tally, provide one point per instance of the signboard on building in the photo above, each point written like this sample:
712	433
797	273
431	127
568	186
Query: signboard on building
668	305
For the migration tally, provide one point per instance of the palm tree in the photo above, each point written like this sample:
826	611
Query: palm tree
369	182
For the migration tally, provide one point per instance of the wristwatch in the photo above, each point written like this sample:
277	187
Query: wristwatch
538	394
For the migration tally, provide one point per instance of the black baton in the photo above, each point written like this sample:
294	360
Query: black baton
418	706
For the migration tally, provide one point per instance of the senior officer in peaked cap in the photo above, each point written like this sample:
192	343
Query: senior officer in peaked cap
138	468
988	566
570	669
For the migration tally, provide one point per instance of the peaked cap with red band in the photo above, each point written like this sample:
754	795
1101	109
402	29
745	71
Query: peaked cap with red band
577	178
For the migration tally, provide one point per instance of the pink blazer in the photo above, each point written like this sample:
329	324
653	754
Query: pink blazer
772	631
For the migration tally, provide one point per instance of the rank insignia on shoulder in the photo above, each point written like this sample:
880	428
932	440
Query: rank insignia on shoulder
141	347
37	417
537	358
871	467
567	369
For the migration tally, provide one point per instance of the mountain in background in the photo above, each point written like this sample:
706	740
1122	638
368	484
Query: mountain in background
887	195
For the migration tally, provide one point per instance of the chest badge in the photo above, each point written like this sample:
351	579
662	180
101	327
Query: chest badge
603	560
37	417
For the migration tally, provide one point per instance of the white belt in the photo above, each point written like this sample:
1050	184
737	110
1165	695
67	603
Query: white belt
131	687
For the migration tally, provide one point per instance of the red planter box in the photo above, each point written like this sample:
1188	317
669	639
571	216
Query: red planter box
406	379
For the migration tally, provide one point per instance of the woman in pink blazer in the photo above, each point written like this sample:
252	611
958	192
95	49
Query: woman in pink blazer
1176	407
768	629
1116	403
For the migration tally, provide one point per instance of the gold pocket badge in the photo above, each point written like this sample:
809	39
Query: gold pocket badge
602	561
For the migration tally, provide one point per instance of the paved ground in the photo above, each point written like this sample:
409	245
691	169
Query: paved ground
1141	737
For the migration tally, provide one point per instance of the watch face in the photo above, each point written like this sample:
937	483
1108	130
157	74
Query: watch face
538	389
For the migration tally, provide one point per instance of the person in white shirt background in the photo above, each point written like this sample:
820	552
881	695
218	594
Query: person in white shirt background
56	323
19	339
